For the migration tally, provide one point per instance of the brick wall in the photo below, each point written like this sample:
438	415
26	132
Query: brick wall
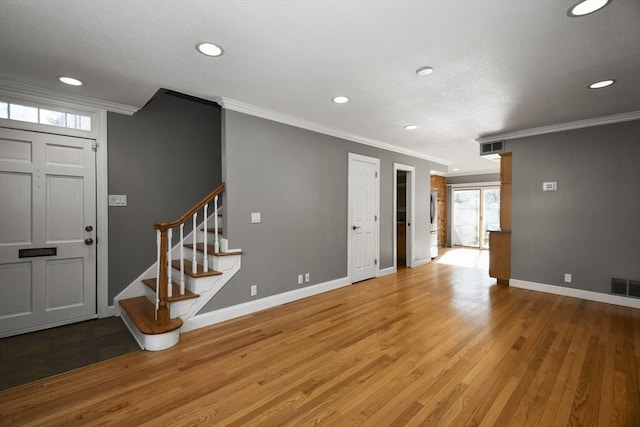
439	184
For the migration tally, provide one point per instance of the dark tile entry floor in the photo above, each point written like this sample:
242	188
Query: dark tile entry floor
36	355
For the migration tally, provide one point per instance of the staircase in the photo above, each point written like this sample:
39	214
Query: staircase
183	279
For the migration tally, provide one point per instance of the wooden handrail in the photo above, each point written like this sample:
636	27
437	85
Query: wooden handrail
190	212
163	314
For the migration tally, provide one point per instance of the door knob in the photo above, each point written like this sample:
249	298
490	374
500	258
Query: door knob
88	228
88	241
355	227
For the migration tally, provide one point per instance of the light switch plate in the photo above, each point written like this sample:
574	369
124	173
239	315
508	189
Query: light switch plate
255	217
117	200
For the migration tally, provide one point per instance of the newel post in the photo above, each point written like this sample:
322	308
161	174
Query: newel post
163	307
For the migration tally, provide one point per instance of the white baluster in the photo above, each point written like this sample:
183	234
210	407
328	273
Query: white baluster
205	263
157	272
169	268
216	242
194	265
182	259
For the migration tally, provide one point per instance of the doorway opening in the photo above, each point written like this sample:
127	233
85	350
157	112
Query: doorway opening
476	211
403	215
401	219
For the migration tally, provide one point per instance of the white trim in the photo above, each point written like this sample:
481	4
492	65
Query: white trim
37	94
386	271
99	134
228	313
252	110
410	214
102	216
359	157
475	184
423	261
576	293
599	121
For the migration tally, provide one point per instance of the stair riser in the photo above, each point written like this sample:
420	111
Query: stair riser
218	263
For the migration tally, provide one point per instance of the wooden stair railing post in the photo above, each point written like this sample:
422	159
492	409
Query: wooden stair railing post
163	307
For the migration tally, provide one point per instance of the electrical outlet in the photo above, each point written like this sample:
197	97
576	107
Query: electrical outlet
254	290
567	277
307	277
300	279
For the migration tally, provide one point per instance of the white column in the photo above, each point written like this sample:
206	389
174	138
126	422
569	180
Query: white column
182	259
216	242
194	265
205	263
169	267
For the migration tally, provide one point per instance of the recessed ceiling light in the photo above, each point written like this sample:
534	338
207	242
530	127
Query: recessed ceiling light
410	127
340	99
70	81
586	7
601	84
209	49
424	71
456	169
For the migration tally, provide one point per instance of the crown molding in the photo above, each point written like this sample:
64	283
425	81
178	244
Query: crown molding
252	110
21	90
599	121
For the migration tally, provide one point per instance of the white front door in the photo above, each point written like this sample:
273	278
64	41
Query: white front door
364	209
47	231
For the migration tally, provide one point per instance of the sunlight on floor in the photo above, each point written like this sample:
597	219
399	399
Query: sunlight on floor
465	257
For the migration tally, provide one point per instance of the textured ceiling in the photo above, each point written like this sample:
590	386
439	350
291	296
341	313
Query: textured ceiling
500	66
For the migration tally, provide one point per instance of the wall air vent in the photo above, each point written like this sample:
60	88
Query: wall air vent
618	286
634	288
628	288
490	149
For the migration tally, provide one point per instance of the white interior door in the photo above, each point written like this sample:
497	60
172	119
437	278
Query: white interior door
363	216
47	228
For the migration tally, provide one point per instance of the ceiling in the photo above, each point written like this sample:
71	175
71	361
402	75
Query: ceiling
499	66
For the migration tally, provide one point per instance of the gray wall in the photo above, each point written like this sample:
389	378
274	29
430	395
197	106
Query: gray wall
297	180
590	226
165	158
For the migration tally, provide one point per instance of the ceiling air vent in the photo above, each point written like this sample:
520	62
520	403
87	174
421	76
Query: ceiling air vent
491	149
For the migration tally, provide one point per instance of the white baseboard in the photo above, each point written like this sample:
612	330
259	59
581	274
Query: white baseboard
108	312
419	262
385	271
576	293
228	313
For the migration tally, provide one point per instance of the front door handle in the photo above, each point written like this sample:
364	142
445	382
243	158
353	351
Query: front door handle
88	241
355	227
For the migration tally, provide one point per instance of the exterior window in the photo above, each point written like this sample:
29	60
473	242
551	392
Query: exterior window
23	113
43	116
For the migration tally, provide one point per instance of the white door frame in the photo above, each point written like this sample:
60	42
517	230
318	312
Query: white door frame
353	156
97	110
410	215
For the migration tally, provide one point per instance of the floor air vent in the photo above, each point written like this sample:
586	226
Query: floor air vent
625	287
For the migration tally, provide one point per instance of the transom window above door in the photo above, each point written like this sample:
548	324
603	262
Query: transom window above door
30	114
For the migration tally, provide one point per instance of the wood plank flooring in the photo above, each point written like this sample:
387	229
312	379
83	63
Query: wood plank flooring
437	345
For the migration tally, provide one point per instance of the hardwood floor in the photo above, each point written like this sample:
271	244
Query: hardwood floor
436	345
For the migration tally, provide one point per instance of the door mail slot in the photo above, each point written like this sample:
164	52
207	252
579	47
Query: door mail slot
36	252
